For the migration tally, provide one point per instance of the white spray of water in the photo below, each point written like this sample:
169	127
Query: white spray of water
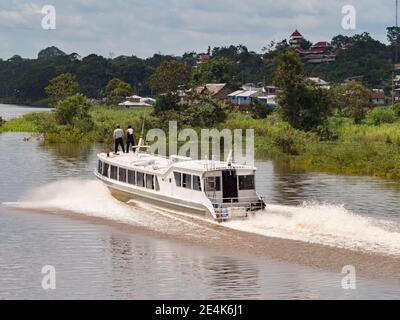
325	224
93	199
87	197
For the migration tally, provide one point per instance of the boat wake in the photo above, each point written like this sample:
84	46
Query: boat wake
324	224
86	197
92	199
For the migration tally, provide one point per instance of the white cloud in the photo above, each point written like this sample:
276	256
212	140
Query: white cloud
144	27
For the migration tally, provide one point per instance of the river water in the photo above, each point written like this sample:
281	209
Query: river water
54	213
9	111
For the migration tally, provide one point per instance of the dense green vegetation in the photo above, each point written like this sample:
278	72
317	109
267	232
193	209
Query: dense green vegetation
24	80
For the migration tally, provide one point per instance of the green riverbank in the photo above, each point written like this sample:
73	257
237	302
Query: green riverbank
364	149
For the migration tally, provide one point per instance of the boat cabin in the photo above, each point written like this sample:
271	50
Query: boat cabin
185	182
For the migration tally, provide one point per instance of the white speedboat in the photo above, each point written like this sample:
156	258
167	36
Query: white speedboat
219	190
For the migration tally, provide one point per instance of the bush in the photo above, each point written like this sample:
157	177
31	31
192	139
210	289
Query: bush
258	111
1	121
166	102
74	111
117	90
286	144
205	115
45	122
396	110
380	116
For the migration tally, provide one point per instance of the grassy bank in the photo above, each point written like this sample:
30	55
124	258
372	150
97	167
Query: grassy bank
23	124
356	149
104	121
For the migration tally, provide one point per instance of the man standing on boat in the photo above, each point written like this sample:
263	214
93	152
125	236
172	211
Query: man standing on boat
118	138
130	139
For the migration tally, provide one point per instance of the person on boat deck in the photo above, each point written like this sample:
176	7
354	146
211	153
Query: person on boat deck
130	139
118	137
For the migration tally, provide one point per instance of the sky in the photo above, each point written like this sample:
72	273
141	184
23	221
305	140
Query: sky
144	27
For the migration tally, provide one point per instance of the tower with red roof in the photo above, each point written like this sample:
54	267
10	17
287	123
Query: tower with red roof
296	39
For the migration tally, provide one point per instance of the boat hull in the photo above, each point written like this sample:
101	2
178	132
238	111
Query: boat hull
127	194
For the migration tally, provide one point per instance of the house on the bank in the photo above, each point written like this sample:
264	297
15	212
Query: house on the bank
219	91
136	102
353	79
242	97
261	96
378	97
320	82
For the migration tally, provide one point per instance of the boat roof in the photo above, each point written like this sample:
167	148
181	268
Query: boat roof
147	162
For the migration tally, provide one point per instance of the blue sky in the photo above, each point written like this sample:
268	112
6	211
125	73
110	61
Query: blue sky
144	27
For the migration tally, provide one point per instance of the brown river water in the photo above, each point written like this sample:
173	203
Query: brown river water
53	212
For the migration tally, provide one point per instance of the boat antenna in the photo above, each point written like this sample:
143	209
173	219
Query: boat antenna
141	140
229	159
142	135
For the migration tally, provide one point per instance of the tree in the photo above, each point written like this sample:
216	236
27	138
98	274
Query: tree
246	66
61	87
354	101
393	35
50	52
317	105
169	77
166	102
117	89
132	70
304	105
341	41
74	111
270	57
290	78
93	73
306	44
216	70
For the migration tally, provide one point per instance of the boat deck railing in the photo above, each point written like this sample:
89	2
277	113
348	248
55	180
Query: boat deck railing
251	204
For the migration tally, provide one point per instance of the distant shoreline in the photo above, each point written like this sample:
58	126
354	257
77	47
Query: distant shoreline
23	105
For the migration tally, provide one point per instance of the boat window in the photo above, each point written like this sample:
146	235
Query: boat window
149	181
196	183
105	169
247	182
114	173
100	168
157	186
187	181
178	179
131	177
213	184
122	175
140	179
